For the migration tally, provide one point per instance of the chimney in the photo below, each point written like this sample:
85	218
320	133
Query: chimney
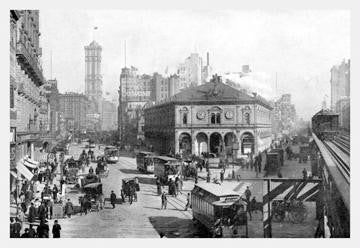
245	68
207	59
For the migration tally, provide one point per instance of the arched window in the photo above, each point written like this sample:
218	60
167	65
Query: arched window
213	120
218	118
185	118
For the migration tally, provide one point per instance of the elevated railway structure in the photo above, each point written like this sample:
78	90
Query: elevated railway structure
332	160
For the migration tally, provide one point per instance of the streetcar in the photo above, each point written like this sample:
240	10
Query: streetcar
219	210
145	161
166	168
325	124
111	154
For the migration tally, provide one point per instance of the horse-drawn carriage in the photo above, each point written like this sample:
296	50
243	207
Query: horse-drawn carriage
73	167
129	188
102	169
89	179
189	168
93	192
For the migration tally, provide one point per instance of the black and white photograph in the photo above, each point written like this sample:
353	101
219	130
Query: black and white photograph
179	123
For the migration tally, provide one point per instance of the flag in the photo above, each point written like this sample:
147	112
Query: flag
166	69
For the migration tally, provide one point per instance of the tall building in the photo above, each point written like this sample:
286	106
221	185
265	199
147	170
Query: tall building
161	87
174	85
190	72
284	115
74	108
93	77
54	101
26	78
134	92
108	116
340	82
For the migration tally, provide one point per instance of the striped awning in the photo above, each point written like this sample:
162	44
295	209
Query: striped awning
32	161
24	171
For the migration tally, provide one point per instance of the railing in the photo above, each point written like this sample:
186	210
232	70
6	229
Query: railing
29	64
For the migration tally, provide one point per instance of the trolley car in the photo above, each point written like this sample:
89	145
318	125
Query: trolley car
220	210
145	162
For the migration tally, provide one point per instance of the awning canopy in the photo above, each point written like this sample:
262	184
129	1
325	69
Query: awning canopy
32	161
24	171
30	165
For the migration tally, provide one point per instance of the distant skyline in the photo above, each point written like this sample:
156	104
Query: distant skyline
299	46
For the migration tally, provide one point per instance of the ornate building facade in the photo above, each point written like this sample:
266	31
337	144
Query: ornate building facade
212	117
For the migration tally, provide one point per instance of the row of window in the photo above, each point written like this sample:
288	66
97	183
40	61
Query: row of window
201	205
215	118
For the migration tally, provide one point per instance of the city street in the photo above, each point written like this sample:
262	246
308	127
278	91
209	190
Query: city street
141	219
144	217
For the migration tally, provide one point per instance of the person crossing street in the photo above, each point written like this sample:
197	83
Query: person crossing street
112	198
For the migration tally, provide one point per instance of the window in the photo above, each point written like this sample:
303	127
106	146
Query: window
185	118
218	118
213	118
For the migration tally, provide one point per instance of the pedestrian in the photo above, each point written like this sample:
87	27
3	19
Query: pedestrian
101	201
112	198
187	202
21	217
208	177
158	186
62	181
251	161
32	233
87	205
25	234
55	191
42	211
32	213
91	170
163	201
43	230
222	175
260	161
56	229
122	196
69	208
305	173
12	229
248	195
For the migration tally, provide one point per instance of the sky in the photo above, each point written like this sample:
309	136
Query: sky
293	50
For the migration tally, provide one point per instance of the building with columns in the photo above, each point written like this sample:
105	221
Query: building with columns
212	117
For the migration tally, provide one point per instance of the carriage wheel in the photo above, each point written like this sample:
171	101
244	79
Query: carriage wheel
278	216
298	215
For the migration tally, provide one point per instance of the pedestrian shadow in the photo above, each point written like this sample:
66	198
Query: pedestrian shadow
151	194
129	171
146	180
118	200
152	208
173	227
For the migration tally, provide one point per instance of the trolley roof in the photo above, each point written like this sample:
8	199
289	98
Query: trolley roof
225	189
